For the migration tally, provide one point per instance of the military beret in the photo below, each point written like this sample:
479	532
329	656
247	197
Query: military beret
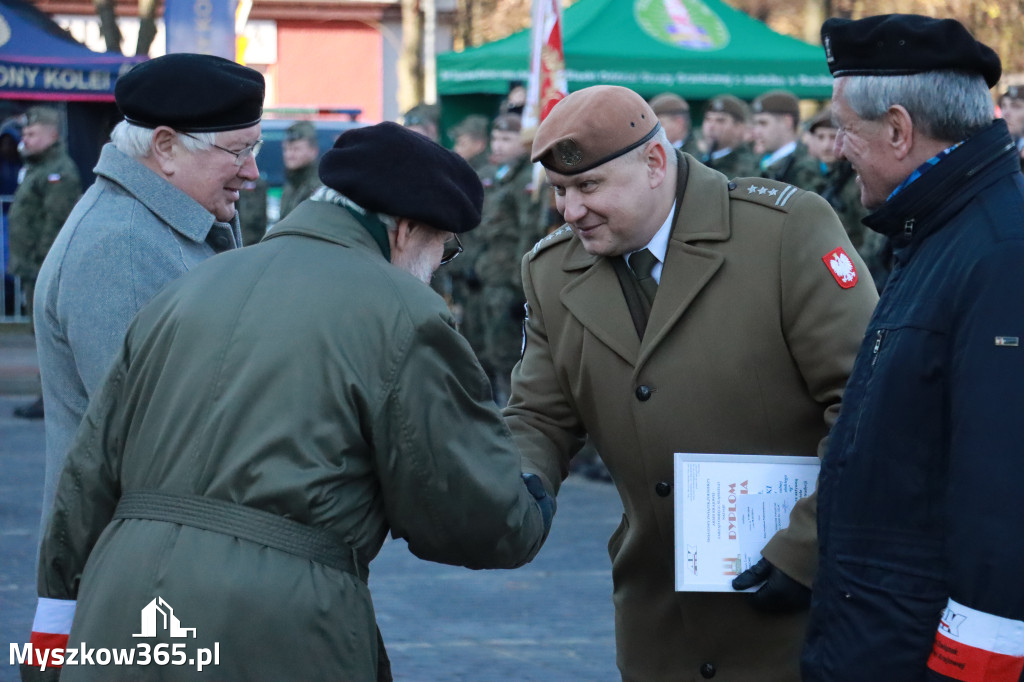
392	170
300	130
777	102
731	105
508	123
669	103
591	127
1014	92
42	116
901	44
422	114
474	125
820	119
192	93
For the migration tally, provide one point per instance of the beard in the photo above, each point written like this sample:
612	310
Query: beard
420	265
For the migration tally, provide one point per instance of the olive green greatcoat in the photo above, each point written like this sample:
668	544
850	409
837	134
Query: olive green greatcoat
748	348
299	185
739	162
357	411
42	203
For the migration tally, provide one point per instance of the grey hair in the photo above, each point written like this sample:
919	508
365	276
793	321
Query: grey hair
947	105
135	141
331	196
661	136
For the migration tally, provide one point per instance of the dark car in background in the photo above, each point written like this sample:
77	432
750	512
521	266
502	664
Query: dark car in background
275	123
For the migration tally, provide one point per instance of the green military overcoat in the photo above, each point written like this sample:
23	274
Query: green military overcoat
307	378
748	348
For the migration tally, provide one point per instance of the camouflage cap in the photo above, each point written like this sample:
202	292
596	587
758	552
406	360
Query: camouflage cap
591	127
42	116
777	102
300	130
729	104
669	103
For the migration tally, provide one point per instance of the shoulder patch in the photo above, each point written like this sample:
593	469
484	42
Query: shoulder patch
770	193
562	234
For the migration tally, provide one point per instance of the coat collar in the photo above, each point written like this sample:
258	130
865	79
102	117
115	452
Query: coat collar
323	220
167	202
595	297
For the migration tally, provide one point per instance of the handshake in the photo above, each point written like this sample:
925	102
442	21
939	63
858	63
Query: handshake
546	502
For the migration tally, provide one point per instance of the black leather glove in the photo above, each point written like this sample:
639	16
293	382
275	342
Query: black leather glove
778	594
546	502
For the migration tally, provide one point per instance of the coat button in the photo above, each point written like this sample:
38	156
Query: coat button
732	186
643	393
664	489
707	671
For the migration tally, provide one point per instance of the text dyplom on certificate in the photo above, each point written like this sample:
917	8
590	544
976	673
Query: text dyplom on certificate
727	507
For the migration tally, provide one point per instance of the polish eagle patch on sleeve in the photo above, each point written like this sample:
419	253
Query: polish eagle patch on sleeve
841	266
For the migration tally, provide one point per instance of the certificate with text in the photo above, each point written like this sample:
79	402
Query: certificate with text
727	508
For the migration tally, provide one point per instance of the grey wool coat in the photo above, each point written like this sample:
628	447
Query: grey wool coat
131	233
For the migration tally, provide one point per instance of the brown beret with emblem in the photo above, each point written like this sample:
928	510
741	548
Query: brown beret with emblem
669	103
591	127
729	104
777	102
822	119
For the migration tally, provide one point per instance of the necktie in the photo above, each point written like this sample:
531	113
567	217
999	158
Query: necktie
642	264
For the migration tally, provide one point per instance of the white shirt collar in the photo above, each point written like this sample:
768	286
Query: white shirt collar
659	244
780	153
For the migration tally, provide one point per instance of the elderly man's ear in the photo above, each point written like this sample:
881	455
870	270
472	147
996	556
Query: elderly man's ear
901	131
163	150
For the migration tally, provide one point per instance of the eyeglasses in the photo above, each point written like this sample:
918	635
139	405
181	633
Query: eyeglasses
241	156
451	250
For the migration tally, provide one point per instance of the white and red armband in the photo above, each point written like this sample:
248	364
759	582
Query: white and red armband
974	646
51	627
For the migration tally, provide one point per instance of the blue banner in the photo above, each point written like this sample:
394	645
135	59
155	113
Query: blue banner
201	26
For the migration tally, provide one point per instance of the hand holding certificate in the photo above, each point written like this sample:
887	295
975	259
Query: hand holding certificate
727	509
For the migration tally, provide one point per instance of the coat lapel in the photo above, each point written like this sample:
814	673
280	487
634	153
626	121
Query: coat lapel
702	215
596	300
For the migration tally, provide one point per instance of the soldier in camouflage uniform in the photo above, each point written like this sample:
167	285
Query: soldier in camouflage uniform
45	197
724	127
839	188
783	158
301	153
252	210
673	113
470	138
510	221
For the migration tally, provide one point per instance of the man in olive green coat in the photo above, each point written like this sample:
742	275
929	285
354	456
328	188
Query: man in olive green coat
246	457
44	198
300	152
743	347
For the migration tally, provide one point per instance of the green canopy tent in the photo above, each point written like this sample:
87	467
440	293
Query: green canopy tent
695	48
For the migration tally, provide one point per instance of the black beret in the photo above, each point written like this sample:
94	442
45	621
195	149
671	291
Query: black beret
392	170
193	93
901	44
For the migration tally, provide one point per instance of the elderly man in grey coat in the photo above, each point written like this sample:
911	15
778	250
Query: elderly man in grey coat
163	201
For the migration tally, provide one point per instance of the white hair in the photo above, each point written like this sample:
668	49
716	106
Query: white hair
947	105
135	141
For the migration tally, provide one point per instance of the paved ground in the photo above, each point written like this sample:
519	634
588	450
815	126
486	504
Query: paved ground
550	620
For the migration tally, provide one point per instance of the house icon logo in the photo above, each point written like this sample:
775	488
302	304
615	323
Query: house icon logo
159	613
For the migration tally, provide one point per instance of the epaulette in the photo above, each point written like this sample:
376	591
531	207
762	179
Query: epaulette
770	193
560	235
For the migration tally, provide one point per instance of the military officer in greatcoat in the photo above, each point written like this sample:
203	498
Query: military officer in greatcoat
678	311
